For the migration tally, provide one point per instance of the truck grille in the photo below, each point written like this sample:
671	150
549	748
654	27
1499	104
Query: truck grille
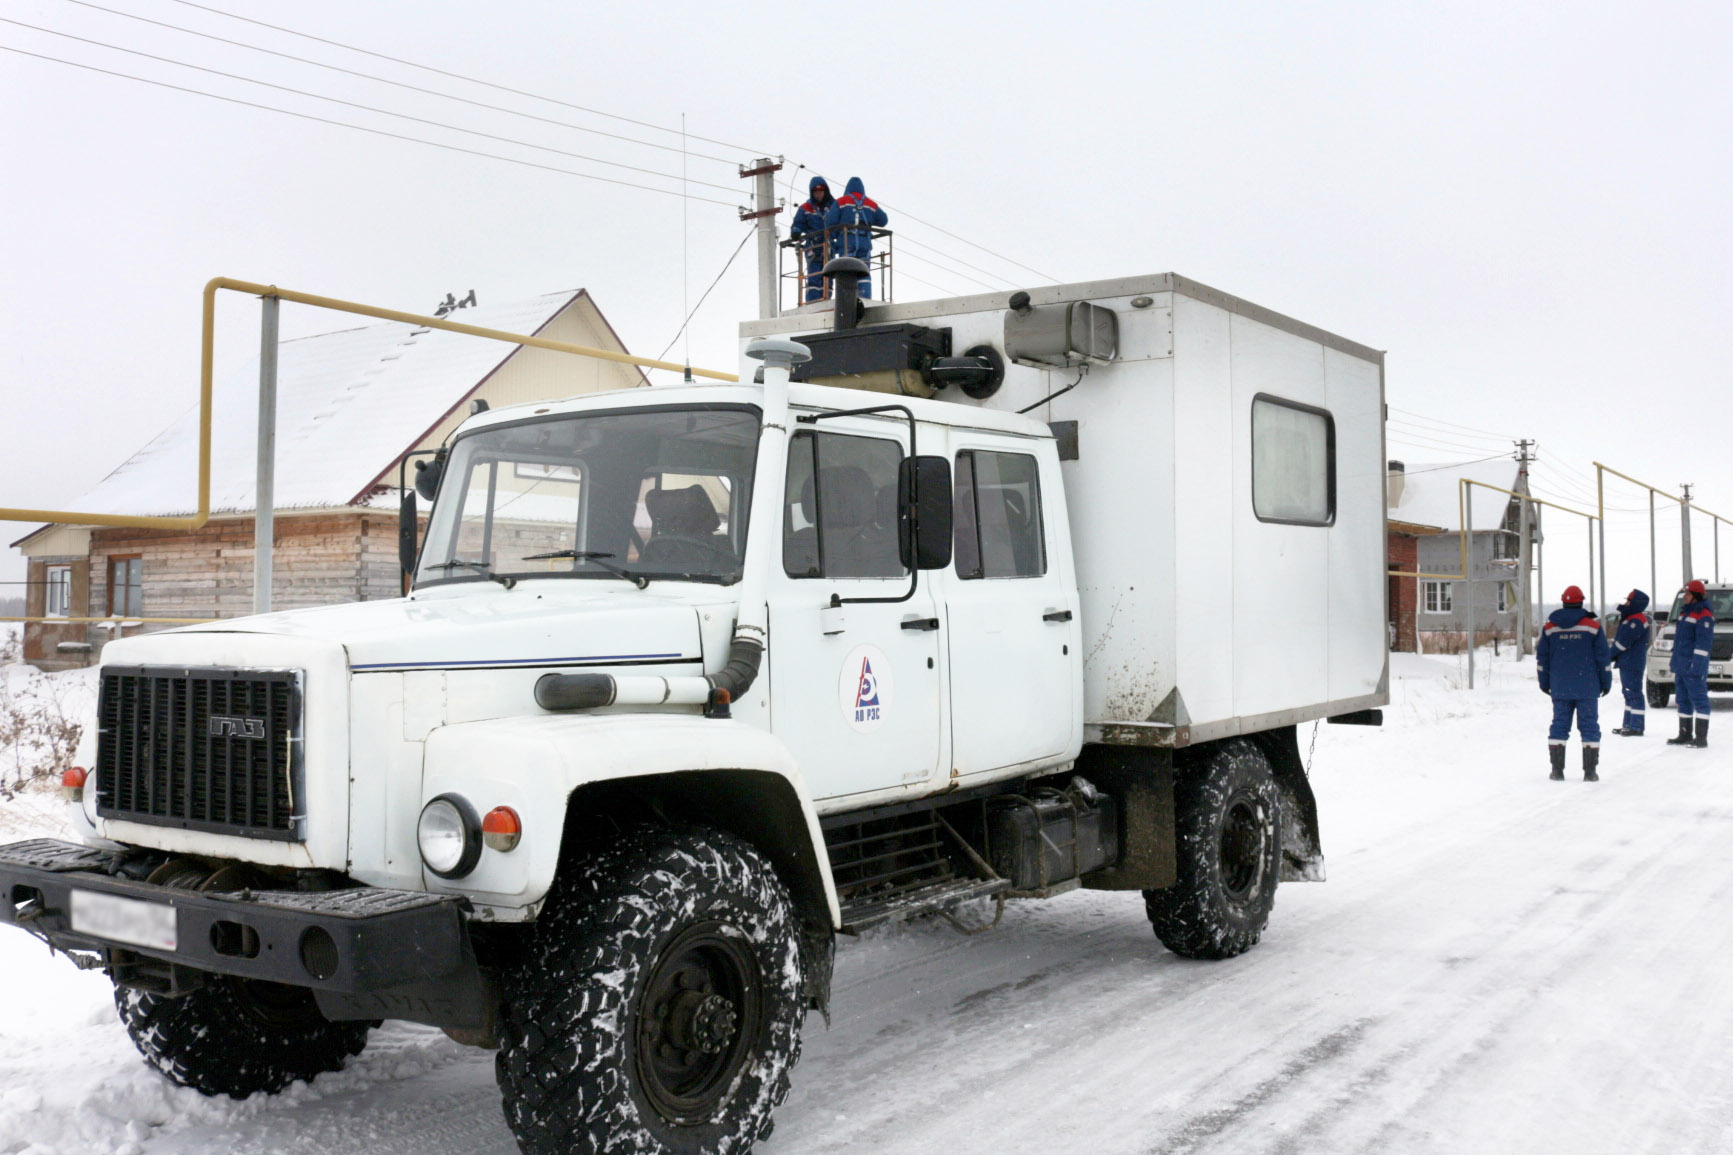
213	750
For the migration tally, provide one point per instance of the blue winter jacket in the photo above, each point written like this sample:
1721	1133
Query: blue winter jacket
857	214
1631	645
1693	638
809	217
1572	657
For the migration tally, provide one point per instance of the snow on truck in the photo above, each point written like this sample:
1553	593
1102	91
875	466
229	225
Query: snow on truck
998	597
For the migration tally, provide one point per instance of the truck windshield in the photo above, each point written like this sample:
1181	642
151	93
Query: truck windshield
640	495
1720	601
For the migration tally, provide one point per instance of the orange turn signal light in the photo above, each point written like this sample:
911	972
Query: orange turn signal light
501	829
72	783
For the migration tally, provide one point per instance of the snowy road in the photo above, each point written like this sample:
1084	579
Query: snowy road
1498	963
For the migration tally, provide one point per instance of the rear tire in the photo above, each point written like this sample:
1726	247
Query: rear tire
1228	826
237	1037
1659	692
658	1010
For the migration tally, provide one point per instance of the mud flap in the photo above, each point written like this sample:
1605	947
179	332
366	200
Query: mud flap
1302	849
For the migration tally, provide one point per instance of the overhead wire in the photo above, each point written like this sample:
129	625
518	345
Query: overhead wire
366	107
476	80
1442	421
706	294
364	128
382	79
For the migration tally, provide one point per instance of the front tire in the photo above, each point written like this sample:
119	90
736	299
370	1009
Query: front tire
1228	823
658	1010
1659	692
237	1037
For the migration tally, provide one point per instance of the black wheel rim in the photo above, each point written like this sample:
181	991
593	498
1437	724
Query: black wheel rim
1243	846
697	1020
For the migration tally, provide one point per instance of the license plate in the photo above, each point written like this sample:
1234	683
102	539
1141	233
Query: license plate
127	920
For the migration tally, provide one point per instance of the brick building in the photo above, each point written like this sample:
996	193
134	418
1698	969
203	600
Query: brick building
350	405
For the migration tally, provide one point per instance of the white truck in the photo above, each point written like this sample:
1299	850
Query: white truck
694	678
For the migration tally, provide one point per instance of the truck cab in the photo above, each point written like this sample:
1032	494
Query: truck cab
1657	669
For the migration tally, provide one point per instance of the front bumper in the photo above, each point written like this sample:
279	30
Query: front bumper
366	952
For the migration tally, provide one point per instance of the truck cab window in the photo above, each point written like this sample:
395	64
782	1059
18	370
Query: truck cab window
998	516
1293	462
840	517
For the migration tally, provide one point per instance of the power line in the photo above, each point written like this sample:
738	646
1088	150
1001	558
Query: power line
961	261
1441	431
362	107
364	128
947	269
725	267
483	83
1441	421
376	79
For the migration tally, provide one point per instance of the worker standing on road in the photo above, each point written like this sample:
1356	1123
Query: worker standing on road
1630	653
1573	662
857	215
1693	638
808	227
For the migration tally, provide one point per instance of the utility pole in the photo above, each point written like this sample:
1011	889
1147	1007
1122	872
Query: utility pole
1685	530
264	478
764	209
1468	572
1524	554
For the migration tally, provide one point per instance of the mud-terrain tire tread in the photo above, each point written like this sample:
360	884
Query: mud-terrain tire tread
1658	694
1197	918
211	1039
566	1065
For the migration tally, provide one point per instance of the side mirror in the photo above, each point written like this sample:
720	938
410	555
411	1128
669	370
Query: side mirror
924	487
427	475
408	532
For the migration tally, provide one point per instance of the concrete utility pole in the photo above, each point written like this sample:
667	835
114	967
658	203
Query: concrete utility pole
264	487
1685	531
764	209
1524	554
1468	572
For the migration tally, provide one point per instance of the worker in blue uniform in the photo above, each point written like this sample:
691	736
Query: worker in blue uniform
856	215
1693	638
1630	654
809	228
1573	662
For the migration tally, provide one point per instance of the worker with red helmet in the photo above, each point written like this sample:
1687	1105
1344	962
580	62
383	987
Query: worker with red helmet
1693	638
1574	665
1631	654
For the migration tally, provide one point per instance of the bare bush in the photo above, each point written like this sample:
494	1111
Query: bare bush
38	735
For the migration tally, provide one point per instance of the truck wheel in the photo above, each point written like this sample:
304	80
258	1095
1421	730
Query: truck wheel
1658	694
658	1006
235	1036
1227	820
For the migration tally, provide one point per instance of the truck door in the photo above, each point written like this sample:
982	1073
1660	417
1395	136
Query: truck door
855	687
1010	615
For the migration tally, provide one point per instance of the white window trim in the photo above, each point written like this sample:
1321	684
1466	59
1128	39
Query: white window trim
1444	588
49	574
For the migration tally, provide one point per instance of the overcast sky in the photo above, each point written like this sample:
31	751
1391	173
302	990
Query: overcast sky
1525	204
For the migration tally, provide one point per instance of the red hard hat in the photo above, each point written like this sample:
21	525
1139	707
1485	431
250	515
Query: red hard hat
1572	596
1697	587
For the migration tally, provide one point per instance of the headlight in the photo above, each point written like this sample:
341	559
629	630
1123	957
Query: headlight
449	836
1665	645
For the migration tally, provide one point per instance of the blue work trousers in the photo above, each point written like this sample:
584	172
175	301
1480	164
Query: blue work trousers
1631	682
1588	714
1693	695
815	267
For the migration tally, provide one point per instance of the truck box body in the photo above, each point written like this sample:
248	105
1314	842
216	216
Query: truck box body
1205	613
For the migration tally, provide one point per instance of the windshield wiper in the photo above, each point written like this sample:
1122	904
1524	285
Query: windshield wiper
478	567
596	556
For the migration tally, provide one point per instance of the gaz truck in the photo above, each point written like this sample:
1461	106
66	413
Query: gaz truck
958	602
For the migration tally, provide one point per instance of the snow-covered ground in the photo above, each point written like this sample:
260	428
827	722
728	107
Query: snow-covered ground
1498	963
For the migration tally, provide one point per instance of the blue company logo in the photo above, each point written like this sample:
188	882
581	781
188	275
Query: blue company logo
866	698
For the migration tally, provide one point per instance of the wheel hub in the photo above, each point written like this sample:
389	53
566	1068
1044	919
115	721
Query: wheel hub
699	1011
702	1022
1242	848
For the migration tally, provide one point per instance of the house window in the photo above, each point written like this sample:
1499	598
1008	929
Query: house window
126	587
998	516
1435	597
58	579
1504	546
1503	598
1293	462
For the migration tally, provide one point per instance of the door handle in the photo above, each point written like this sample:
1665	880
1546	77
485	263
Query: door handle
1056	616
920	623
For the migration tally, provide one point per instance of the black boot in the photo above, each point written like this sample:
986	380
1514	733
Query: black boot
1684	738
1591	759
1701	741
1557	751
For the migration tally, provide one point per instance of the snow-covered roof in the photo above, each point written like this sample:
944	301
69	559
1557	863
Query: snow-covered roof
1429	494
348	404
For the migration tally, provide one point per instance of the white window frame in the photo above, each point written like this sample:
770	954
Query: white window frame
58	582
1503	598
1439	593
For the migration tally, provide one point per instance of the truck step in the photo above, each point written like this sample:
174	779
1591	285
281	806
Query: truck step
938	897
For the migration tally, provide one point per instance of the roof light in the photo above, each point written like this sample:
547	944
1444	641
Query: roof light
501	829
72	783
